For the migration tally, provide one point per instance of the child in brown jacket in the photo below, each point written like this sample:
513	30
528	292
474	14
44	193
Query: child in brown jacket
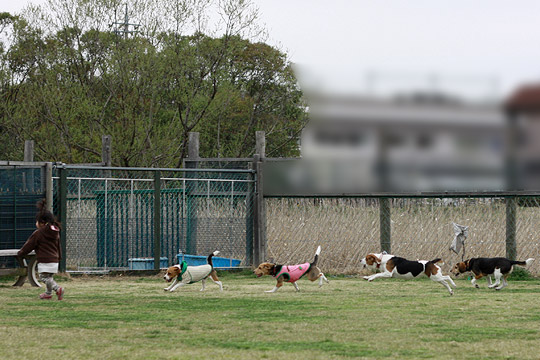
46	242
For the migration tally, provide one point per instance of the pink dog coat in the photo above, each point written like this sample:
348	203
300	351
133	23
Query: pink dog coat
291	273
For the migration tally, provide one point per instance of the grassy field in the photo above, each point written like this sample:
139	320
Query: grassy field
132	317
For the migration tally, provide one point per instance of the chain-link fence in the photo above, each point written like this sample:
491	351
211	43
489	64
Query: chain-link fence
21	187
415	227
111	219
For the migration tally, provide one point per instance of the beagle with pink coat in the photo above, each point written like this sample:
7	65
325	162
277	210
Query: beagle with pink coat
291	273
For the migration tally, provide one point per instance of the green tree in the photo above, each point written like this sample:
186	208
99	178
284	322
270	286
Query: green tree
70	78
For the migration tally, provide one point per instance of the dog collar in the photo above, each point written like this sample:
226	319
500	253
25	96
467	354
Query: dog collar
183	267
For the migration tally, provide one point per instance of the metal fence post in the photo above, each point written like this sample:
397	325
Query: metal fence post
385	224
14	192
511	248
157	219
250	210
192	195
49	186
62	210
259	231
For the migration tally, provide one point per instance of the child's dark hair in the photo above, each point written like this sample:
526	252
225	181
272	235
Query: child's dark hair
43	215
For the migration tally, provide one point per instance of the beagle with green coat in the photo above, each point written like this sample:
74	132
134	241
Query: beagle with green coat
184	274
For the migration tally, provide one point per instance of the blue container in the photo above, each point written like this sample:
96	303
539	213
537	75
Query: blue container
147	263
219	262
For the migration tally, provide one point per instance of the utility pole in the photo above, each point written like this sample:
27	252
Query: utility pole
124	27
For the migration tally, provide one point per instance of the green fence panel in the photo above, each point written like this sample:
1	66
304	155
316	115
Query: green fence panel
111	218
21	187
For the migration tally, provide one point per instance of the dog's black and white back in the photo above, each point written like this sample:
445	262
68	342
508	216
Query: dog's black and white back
398	267
499	267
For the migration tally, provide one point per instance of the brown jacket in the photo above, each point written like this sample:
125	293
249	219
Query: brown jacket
46	242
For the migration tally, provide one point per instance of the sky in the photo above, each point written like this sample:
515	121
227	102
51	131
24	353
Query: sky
479	48
482	45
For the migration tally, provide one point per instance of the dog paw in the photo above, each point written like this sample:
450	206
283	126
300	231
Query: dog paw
166	289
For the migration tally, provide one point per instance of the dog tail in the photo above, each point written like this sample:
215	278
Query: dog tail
434	261
209	259
317	253
523	263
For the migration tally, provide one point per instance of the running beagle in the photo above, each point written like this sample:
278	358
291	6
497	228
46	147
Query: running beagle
184	274
398	267
375	261
291	273
499	267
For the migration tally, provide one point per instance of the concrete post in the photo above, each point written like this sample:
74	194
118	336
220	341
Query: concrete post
29	150
260	144
106	150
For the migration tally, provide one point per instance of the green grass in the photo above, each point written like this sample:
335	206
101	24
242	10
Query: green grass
132	317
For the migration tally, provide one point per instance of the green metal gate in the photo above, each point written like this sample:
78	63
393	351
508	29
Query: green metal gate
111	217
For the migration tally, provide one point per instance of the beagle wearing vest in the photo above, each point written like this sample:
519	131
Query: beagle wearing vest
499	267
184	274
398	267
291	273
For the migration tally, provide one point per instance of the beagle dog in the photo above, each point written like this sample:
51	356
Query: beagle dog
375	261
499	267
184	274
398	267
291	273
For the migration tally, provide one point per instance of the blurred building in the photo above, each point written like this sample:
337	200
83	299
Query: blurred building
413	142
523	126
423	140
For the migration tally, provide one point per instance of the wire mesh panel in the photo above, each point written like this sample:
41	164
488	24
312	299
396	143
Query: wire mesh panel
216	213
111	215
344	227
21	187
420	228
528	230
